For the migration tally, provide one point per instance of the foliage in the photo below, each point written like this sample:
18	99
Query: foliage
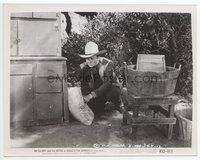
125	35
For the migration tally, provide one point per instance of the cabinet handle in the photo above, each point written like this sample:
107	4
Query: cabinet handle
56	26
30	88
18	40
51	106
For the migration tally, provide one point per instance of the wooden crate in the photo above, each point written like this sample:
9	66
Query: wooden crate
151	63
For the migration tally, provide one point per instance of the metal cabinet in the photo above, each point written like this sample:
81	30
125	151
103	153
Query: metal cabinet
37	34
37	99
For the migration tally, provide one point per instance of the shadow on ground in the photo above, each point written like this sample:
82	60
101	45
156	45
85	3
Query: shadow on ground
106	131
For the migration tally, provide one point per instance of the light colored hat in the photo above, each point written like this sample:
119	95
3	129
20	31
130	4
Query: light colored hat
91	49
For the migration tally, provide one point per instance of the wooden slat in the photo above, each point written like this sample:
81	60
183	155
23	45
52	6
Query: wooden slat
160	109
39	58
50	69
153	101
21	15
51	15
152	121
21	69
154	63
170	127
169	97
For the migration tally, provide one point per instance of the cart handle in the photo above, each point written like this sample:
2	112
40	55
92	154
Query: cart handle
177	64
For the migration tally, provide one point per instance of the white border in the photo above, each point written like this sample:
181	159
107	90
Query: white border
96	8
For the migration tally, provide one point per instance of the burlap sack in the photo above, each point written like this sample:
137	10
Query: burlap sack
78	108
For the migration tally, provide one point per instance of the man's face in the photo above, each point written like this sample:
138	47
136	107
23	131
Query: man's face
93	61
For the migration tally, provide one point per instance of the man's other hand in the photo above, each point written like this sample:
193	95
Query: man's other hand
87	98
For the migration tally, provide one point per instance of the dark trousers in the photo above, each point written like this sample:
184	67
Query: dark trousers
98	104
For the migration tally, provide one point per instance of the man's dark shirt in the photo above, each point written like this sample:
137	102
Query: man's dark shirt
90	79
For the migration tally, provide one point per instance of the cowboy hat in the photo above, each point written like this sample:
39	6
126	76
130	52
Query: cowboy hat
91	49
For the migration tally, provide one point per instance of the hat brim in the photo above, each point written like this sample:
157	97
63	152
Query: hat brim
91	55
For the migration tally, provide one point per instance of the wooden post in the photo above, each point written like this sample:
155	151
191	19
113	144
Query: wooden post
135	110
170	127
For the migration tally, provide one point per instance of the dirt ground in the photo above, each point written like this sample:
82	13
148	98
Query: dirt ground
105	131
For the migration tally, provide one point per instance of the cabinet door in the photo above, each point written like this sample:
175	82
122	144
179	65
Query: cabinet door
21	98
39	37
49	106
51	15
46	85
13	38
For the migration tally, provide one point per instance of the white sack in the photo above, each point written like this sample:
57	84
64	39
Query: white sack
78	108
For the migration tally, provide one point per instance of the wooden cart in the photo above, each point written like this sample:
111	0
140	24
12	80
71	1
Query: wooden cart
156	105
152	94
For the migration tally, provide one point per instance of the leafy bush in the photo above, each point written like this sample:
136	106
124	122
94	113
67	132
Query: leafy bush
125	35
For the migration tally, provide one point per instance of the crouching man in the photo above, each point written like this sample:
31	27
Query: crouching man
99	84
